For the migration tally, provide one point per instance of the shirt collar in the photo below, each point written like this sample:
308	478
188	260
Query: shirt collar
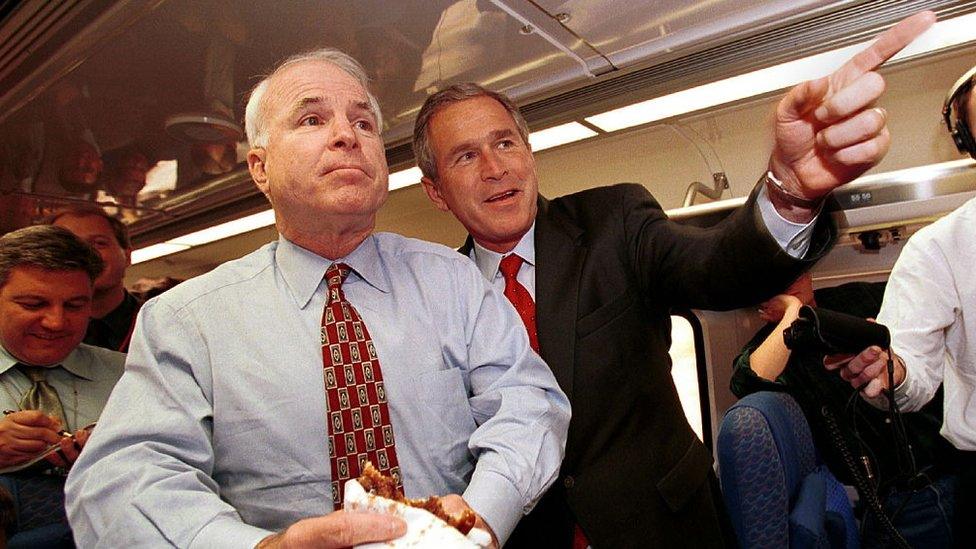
77	362
488	261
304	270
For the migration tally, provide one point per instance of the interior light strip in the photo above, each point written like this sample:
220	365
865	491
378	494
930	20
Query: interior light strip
155	251
539	140
405	178
559	135
224	230
249	223
943	34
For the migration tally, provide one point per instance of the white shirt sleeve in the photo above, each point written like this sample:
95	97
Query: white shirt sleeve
920	303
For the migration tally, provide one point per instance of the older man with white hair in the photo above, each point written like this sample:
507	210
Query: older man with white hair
252	393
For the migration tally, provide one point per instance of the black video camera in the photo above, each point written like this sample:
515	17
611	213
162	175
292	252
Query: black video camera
828	332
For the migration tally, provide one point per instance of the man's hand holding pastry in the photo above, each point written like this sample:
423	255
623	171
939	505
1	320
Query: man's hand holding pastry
455	505
335	530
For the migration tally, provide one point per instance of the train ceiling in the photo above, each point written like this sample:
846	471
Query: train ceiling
93	93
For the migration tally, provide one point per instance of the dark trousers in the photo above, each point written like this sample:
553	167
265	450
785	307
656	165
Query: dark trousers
964	525
923	516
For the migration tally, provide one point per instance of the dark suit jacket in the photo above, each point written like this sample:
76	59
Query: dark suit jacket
610	267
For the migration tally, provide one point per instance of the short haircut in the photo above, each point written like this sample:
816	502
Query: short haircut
119	229
962	108
255	119
49	248
449	96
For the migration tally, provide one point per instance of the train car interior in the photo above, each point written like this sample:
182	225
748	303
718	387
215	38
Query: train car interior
137	105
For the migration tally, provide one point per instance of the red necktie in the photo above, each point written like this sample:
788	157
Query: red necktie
525	306
358	415
519	296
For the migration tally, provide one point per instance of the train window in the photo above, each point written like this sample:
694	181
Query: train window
686	375
161	178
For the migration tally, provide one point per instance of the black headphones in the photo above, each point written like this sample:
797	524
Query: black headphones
959	130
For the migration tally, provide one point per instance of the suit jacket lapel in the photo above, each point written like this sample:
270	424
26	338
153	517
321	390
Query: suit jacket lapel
559	255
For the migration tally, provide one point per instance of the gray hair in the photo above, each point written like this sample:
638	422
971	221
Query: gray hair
255	124
49	248
449	96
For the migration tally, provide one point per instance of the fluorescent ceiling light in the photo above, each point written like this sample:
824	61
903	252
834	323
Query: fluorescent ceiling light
540	140
252	222
210	234
559	135
154	251
917	174
224	230
405	178
943	34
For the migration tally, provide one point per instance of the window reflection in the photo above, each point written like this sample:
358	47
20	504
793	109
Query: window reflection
684	371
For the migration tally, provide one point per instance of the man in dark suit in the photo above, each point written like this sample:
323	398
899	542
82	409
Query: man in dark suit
594	275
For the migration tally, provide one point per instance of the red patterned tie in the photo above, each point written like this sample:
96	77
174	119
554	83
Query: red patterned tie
358	416
525	306
519	296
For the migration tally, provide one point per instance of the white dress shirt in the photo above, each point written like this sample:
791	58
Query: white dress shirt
930	308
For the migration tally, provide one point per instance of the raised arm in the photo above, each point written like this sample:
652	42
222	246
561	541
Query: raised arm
828	131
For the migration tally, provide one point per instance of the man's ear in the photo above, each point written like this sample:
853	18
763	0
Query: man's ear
434	194
256	165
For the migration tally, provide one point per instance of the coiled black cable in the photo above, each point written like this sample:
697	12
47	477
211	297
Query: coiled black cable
864	486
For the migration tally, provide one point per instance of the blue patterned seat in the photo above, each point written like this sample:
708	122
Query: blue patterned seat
777	493
37	506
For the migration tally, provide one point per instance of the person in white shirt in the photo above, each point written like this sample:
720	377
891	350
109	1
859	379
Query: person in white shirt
929	308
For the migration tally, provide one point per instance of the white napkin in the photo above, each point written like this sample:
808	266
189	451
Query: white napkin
423	528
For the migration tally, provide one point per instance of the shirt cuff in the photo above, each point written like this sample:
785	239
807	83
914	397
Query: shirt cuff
793	238
904	391
229	533
496	500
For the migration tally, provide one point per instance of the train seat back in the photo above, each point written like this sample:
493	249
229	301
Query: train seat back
777	492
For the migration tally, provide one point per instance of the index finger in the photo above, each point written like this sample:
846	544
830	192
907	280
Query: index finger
887	45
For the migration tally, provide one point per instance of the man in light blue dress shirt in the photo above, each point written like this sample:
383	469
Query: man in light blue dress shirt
217	433
51	384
